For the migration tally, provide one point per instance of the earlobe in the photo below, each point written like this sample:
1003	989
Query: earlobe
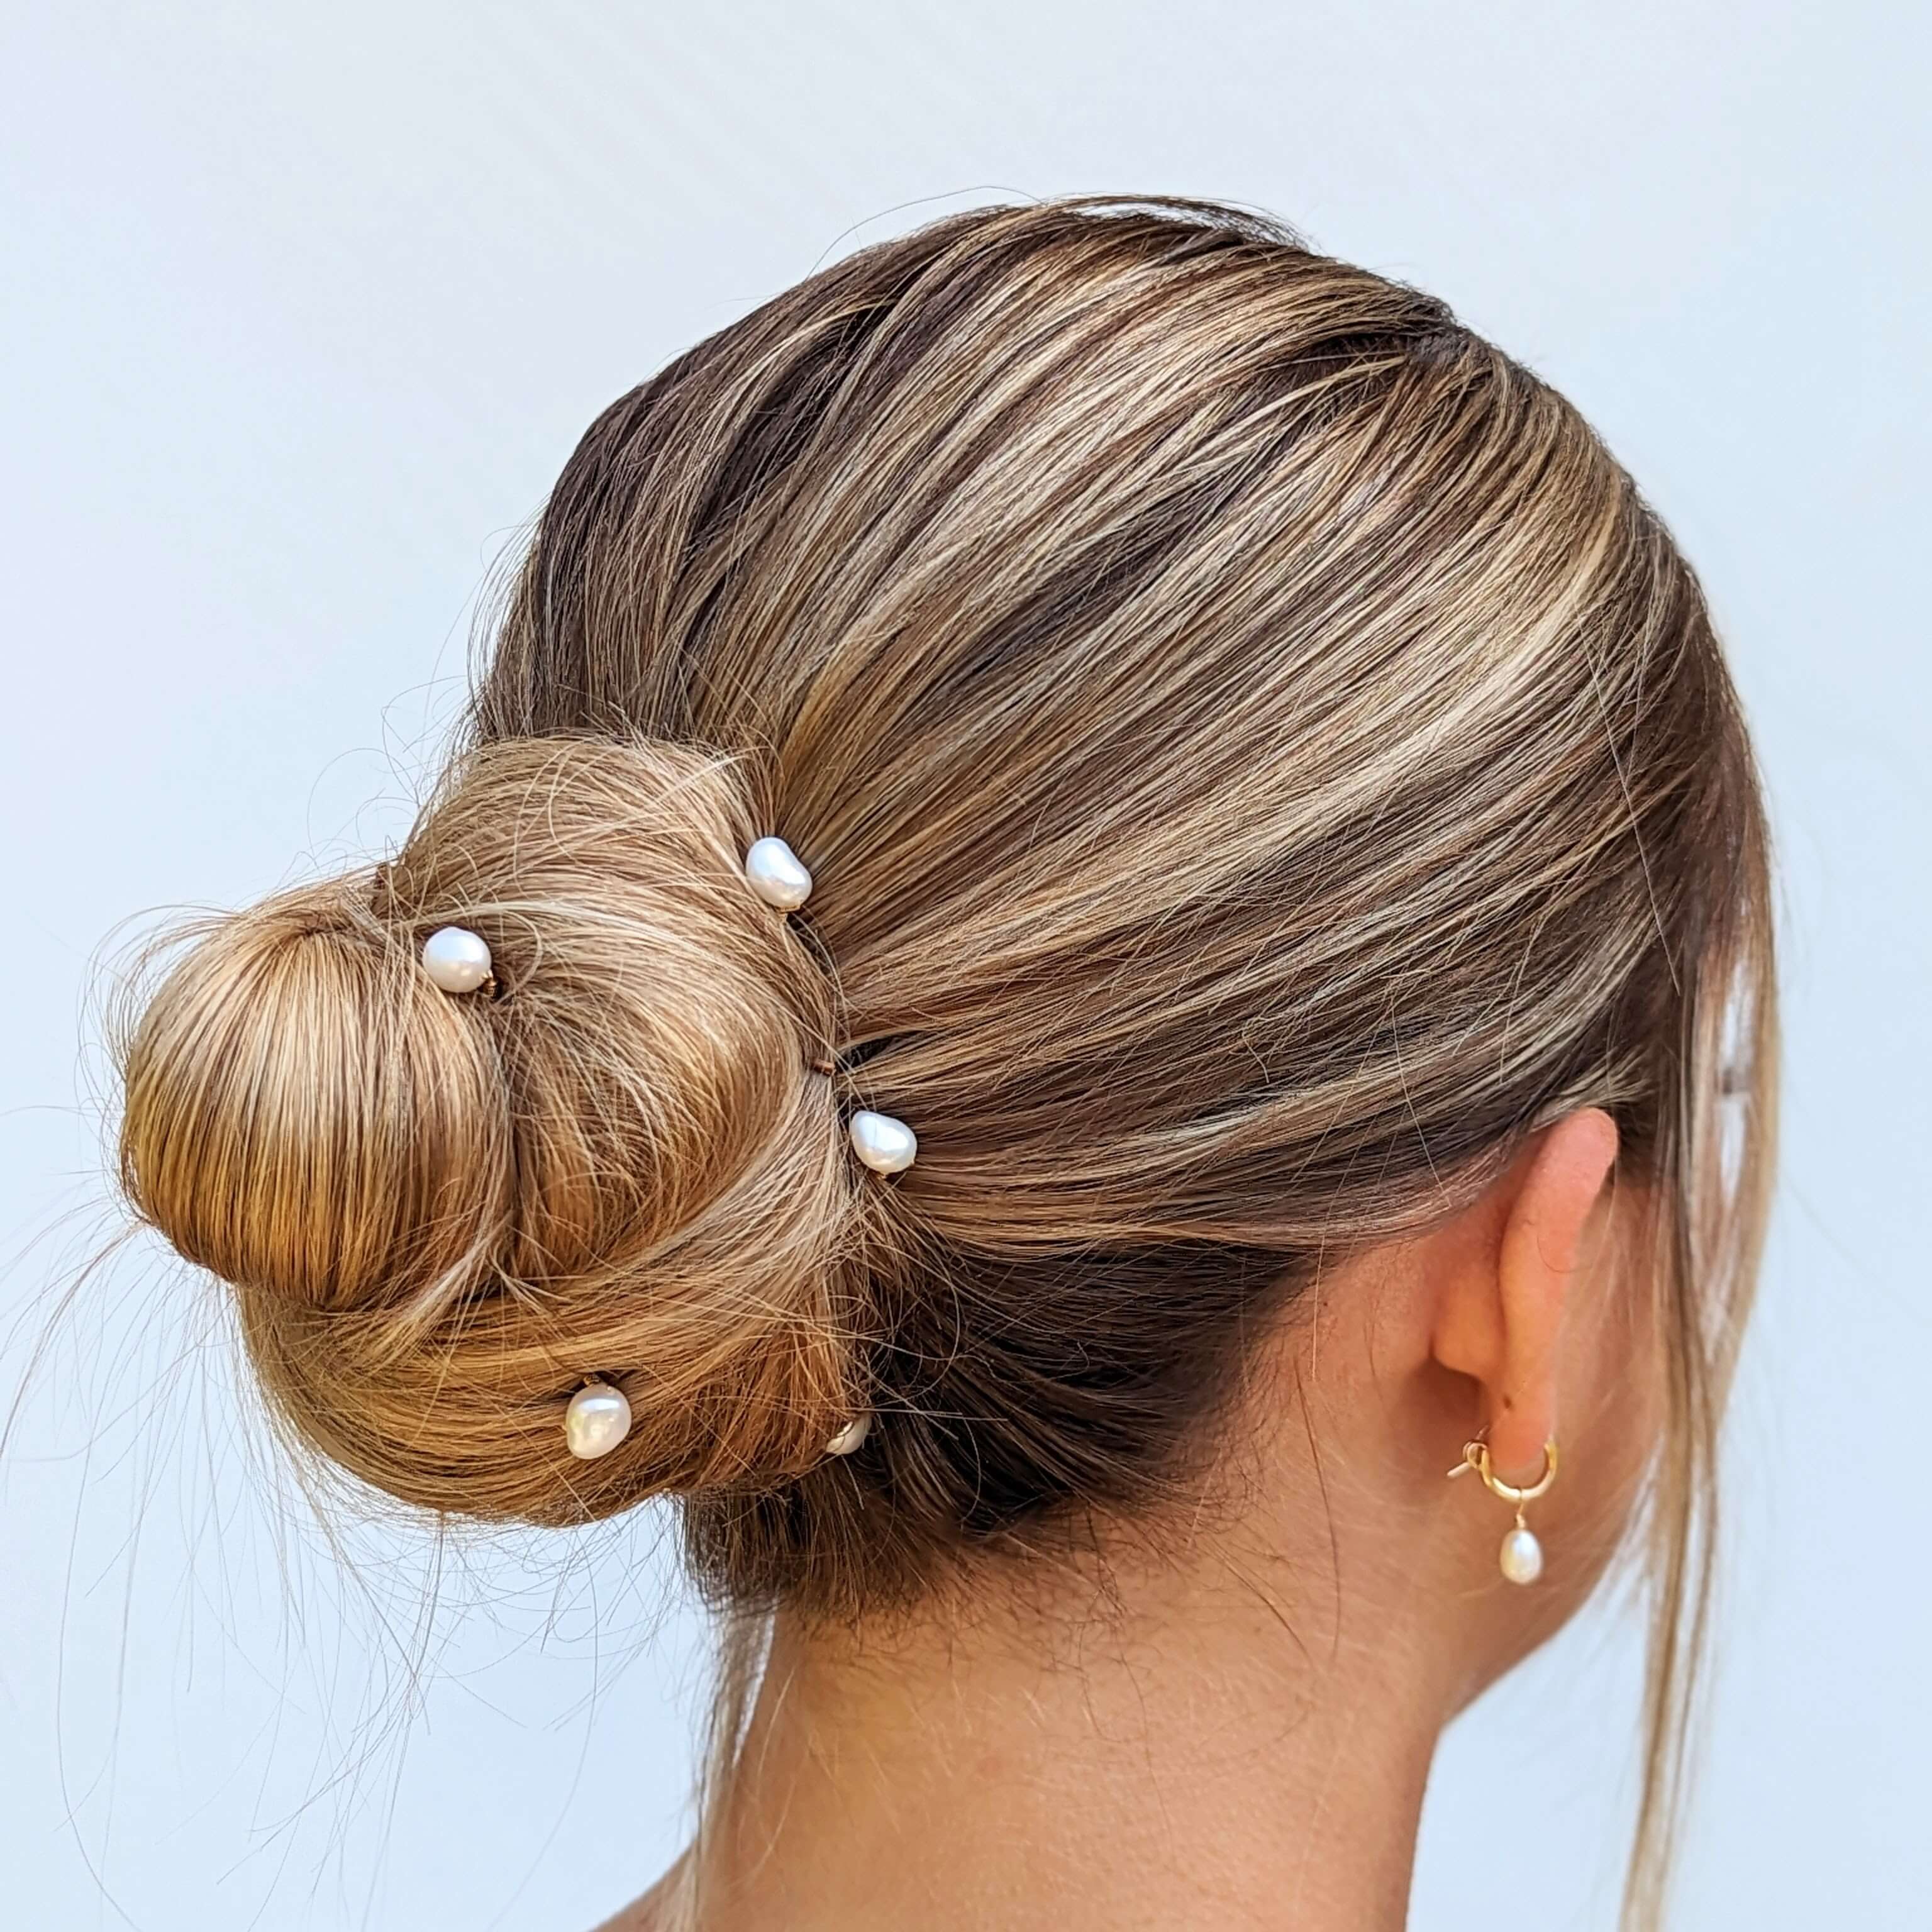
1505	1331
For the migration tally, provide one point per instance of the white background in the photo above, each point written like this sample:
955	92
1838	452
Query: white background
305	306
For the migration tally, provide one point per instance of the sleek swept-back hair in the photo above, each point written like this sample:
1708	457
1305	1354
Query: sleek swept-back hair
1260	759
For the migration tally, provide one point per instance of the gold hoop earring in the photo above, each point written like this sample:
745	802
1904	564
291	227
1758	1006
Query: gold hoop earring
1520	1558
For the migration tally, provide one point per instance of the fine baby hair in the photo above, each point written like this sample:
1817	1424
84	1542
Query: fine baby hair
1252	757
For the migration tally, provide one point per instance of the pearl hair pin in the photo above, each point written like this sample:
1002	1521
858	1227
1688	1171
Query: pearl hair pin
598	1419
776	874
886	1145
849	1438
456	959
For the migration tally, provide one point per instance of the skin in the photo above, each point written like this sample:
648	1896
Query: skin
1238	1731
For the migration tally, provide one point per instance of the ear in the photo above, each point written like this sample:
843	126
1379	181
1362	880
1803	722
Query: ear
1501	1324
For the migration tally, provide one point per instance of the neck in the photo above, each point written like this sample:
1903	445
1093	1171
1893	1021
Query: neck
1220	1747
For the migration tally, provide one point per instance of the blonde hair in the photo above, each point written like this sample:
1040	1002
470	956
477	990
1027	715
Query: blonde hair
1260	759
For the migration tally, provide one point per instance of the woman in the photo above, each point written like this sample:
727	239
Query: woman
1103	910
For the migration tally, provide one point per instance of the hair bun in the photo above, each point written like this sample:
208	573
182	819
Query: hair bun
441	1215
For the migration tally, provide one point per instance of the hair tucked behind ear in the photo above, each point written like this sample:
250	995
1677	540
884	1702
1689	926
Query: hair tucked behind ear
1261	759
442	1215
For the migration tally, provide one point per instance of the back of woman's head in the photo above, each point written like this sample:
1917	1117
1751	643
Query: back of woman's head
1259	759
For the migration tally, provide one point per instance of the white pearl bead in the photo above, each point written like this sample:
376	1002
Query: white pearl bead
849	1438
1521	1557
776	874
456	959
598	1419
886	1145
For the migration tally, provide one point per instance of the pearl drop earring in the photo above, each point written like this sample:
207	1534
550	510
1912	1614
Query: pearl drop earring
598	1419
1520	1558
886	1145
774	873
456	959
